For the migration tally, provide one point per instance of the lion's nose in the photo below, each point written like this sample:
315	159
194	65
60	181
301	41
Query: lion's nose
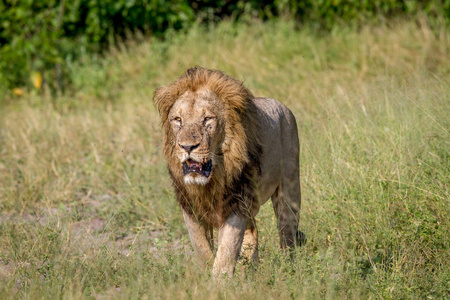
189	148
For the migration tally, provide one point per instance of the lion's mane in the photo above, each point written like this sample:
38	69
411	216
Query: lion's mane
232	186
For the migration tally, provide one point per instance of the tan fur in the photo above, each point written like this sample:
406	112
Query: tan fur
240	146
253	144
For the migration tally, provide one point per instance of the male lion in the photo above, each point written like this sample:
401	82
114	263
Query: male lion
228	153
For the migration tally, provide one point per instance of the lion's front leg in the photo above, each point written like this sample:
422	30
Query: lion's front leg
231	235
201	239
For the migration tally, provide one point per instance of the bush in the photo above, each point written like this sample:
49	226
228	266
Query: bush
326	13
40	38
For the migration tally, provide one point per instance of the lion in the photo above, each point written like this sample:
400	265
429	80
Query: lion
227	153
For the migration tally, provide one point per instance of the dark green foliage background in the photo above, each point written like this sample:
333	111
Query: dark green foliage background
47	36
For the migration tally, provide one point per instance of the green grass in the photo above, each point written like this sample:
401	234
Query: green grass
86	205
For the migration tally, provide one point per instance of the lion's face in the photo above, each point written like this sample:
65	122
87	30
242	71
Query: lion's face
196	120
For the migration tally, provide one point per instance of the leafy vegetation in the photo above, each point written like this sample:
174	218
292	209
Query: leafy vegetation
48	36
87	208
41	40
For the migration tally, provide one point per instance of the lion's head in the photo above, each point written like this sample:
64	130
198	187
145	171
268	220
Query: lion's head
197	123
208	127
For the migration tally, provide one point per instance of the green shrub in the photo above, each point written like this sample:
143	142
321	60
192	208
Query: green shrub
44	37
40	35
326	13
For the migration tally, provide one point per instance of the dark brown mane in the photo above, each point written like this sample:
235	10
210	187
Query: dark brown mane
238	170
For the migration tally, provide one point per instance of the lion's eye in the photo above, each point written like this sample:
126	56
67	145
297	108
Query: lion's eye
177	120
207	119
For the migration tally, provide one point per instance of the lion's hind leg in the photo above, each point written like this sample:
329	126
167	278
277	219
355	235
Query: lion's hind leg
250	245
286	203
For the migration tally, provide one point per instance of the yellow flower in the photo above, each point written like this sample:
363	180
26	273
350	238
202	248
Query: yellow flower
36	79
17	92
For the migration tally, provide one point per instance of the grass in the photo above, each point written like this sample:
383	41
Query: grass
86	205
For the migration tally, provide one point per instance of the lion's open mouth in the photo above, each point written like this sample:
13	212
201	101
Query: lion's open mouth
190	166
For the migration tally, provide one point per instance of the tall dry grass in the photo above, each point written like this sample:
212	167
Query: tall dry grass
86	206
